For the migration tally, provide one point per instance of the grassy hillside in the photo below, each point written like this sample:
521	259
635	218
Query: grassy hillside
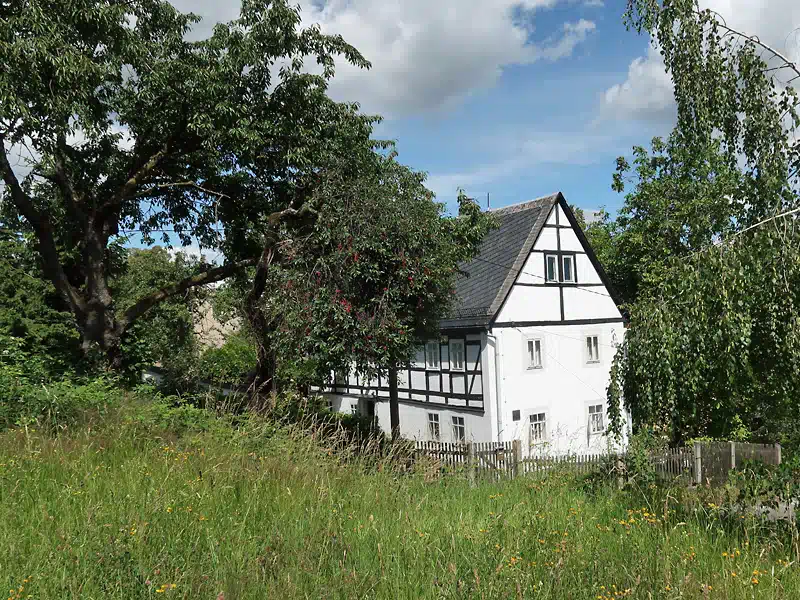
128	508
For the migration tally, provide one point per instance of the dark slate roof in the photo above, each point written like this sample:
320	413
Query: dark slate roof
490	275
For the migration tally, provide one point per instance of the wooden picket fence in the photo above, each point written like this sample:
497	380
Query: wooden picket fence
703	462
674	463
582	464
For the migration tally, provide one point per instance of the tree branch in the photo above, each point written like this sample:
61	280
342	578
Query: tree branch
211	276
44	234
278	216
192	184
759	224
62	180
139	176
787	63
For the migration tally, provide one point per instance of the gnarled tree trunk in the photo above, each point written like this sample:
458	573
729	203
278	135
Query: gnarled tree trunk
262	383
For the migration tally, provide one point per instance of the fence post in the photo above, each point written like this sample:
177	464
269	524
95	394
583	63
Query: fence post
733	455
698	464
516	446
778	454
471	464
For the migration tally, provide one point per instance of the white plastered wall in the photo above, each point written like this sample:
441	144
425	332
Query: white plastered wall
563	388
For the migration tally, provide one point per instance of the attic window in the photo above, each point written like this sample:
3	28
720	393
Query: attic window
551	265
568	269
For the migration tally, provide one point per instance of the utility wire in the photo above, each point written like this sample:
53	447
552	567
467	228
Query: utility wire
569	337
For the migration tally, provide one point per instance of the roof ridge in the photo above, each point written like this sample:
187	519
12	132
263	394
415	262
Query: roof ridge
526	205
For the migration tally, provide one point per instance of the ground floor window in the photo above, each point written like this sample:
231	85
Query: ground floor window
596	420
538	428
433	427
459	429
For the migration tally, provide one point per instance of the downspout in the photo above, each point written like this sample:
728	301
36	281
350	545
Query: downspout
497	386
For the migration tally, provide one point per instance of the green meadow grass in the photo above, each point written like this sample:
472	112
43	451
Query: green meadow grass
124	509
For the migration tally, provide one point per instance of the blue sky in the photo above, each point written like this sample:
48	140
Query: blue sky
517	98
500	96
540	128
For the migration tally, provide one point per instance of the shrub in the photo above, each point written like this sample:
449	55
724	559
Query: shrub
231	362
760	484
29	396
641	470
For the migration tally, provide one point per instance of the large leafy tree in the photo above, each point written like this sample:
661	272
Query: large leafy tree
707	243
125	125
362	277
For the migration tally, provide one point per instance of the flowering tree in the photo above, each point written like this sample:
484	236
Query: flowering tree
362	277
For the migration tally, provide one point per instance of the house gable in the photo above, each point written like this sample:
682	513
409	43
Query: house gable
580	292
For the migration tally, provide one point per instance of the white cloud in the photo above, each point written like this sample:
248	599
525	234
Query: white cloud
594	3
425	54
522	154
210	255
647	92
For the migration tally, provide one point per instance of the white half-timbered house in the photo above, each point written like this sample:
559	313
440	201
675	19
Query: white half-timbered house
525	354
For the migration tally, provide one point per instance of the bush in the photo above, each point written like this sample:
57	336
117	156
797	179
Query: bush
641	470
760	484
230	363
29	396
174	414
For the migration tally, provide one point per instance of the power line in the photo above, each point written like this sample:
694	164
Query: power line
569	337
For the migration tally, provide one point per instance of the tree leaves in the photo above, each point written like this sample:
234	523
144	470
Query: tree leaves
703	248
133	128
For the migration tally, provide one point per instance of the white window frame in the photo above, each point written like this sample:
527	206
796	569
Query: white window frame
459	423
591	348
537	422
571	259
592	418
434	424
437	354
547	277
457	344
529	363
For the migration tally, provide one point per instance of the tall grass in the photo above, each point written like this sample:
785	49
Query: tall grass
129	509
